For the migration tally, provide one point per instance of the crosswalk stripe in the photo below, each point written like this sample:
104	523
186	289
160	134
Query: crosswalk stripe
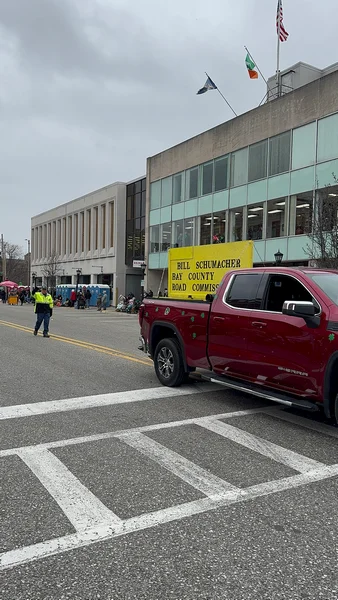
141	395
81	507
27	554
268	449
196	476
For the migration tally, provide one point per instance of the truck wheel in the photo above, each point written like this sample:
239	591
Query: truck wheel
335	418
168	363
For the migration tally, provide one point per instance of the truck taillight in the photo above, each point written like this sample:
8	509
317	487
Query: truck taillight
140	314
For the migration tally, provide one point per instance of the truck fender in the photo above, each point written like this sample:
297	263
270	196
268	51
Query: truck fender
174	329
329	379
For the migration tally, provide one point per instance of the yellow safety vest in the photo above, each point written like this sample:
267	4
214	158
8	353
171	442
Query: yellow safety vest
43	299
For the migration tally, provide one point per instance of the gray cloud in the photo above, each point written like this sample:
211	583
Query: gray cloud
90	88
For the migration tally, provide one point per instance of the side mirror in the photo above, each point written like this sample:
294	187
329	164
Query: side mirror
294	308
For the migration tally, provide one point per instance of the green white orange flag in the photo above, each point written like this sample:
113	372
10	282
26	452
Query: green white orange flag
250	65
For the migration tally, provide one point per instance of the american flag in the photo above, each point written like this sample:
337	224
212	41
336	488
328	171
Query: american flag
281	31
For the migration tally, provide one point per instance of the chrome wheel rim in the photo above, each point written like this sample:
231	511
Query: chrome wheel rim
165	362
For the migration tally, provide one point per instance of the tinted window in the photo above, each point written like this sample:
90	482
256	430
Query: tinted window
328	282
243	291
282	288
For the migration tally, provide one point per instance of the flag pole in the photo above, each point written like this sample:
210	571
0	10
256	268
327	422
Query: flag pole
224	98
256	65
278	51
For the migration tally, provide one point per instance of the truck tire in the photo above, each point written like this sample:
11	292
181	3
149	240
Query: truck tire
168	363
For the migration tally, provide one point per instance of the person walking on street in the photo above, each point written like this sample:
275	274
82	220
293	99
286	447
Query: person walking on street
99	303
88	296
104	301
44	310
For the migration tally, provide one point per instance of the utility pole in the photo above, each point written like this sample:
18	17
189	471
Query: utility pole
29	262
3	255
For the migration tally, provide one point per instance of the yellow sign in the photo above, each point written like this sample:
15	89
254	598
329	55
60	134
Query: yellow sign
198	270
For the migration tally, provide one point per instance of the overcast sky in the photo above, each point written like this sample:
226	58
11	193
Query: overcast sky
90	88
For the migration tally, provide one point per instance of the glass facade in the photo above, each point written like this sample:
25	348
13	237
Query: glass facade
135	220
264	192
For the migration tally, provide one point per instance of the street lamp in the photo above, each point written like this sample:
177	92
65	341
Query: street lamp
143	267
78	274
34	278
278	258
29	260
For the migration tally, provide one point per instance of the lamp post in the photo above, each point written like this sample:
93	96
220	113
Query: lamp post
143	267
78	273
278	258
34	278
29	260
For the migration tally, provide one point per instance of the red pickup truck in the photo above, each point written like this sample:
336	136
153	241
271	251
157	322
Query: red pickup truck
271	332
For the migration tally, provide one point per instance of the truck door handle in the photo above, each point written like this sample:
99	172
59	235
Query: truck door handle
218	318
258	324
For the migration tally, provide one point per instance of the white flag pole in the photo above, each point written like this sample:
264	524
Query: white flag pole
278	50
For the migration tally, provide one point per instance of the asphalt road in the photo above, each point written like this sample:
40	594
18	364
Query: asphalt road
113	487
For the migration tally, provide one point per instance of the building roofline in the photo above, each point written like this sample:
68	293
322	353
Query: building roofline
79	198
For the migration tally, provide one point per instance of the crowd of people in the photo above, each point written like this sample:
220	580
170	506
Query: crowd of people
80	299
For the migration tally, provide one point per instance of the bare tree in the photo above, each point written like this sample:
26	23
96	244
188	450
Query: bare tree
16	266
51	269
323	248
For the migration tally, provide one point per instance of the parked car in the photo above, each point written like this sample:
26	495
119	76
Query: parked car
271	332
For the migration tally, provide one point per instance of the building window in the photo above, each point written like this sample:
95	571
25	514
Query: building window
178	188
219	228
53	243
103	226
205	233
327	138
255	222
59	237
301	208
279	153
154	238
49	240
135	223
166	193
89	230
221	174
189	232
64	236
304	146
70	235
207	178
239	168
236	225
96	228
44	241
111	224
276	219
258	161
165	243
155	194
76	233
193	183
82	231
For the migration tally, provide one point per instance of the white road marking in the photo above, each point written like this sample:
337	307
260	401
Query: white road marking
55	546
196	476
53	406
252	442
83	509
111	434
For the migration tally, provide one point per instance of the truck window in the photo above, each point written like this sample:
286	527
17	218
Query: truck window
243	291
282	288
328	282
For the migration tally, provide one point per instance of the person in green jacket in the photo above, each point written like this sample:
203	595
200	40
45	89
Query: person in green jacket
44	310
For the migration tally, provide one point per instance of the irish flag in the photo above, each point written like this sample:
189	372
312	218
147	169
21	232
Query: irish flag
250	65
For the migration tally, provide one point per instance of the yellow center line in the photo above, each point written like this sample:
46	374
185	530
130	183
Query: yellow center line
80	344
